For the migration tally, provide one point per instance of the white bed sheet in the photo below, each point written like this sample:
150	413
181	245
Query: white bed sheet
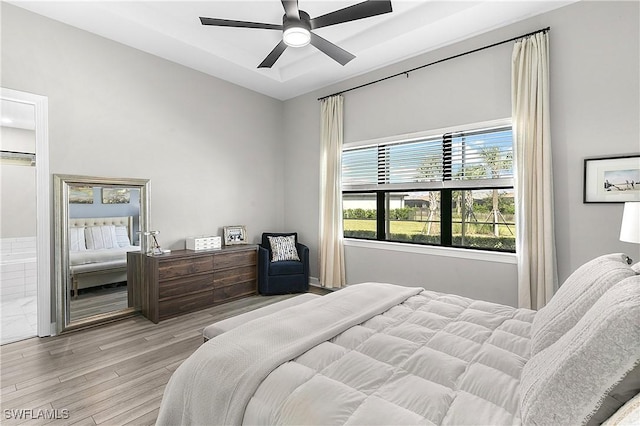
99	256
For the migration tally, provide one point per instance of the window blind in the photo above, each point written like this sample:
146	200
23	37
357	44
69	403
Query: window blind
482	157
478	155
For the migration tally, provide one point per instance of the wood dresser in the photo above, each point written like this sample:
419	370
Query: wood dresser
185	281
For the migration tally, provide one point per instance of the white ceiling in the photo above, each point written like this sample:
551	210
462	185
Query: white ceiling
172	30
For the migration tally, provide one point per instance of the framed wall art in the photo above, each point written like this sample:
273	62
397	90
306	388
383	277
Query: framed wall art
80	194
235	235
612	179
116	196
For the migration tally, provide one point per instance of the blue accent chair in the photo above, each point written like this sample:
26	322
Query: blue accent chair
283	277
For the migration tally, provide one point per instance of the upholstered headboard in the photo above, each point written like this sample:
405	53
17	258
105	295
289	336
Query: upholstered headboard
99	221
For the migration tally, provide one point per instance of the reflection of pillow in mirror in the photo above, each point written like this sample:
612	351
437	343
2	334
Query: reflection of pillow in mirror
76	239
101	237
122	236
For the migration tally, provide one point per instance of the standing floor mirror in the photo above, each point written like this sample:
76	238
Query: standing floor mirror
97	222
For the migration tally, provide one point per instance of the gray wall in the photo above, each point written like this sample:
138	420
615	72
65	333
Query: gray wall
118	112
594	112
115	111
595	106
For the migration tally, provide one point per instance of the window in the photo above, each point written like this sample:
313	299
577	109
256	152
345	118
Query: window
453	189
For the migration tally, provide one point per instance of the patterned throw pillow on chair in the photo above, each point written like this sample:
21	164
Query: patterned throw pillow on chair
283	248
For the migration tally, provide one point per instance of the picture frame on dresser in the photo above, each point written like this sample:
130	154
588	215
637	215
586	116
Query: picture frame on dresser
612	179
234	235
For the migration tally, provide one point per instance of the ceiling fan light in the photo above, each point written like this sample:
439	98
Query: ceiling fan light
296	36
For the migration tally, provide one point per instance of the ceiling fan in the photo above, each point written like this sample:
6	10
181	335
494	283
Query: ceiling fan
297	25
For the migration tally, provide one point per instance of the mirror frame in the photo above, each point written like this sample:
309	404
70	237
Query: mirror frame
61	241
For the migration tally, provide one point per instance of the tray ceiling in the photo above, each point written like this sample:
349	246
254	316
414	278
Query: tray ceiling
172	30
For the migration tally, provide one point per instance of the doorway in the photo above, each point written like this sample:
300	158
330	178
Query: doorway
25	285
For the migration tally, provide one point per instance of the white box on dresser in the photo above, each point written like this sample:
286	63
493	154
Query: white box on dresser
203	243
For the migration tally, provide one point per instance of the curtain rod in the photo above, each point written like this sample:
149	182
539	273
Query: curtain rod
543	30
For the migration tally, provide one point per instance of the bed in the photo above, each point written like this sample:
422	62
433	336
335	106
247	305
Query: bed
98	250
378	353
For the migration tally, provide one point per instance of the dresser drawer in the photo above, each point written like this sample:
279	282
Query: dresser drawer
234	275
186	285
181	267
233	291
181	305
232	260
184	281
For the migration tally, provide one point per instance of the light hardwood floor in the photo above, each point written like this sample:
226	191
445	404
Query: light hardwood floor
96	301
114	374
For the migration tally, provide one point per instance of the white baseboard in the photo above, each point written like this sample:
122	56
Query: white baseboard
50	332
315	282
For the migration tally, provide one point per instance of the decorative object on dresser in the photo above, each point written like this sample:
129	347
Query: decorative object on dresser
283	264
150	244
203	243
236	234
187	281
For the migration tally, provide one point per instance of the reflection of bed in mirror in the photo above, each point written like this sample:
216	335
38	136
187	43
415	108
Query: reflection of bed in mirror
98	250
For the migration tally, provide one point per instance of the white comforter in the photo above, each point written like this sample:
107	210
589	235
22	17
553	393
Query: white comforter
368	354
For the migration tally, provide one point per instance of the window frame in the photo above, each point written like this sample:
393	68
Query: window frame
445	187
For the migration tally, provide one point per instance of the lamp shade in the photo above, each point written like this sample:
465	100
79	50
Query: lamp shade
630	228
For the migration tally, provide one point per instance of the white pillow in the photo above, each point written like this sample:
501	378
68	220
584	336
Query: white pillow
283	248
122	236
76	239
567	382
578	293
101	237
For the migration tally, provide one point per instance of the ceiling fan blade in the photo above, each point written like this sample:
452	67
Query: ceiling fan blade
291	9
336	53
238	24
362	10
273	56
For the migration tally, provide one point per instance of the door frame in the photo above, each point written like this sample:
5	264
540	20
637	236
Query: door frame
43	204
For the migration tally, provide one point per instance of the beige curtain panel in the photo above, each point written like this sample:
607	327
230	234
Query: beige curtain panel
535	241
332	273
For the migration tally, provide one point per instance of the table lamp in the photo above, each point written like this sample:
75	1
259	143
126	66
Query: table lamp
630	228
